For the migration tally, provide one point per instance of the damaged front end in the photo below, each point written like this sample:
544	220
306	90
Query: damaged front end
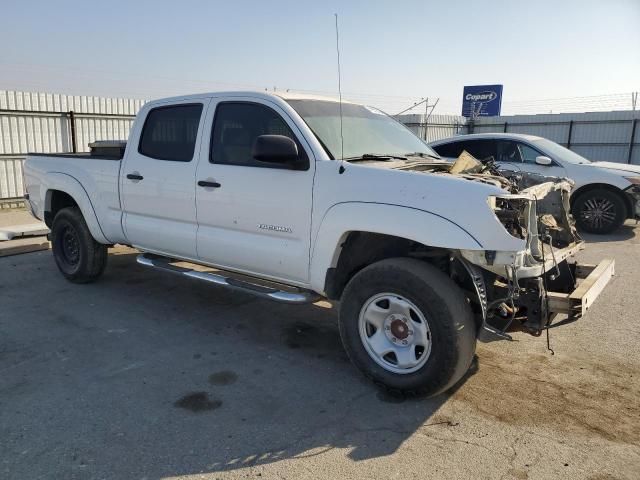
525	290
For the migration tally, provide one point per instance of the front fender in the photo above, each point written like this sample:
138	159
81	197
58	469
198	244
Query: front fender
68	184
405	222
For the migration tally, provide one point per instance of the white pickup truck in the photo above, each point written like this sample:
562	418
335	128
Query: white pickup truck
295	198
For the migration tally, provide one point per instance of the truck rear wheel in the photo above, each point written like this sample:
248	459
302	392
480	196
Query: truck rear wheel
407	326
79	257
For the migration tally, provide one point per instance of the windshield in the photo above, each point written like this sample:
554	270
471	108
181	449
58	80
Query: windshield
366	130
559	152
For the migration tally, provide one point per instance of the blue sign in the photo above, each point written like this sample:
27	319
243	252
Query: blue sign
481	101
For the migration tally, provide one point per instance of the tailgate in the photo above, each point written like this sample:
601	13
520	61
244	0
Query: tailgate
591	281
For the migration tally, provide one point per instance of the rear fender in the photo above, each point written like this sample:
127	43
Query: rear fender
69	185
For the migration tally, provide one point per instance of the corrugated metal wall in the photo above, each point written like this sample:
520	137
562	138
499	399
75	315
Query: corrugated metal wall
602	136
596	135
40	122
435	127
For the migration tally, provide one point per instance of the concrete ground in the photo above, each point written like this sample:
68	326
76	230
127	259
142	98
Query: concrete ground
145	375
16	216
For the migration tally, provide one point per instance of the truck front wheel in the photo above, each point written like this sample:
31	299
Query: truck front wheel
407	326
79	257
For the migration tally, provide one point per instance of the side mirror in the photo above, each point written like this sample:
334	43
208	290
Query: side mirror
275	149
542	160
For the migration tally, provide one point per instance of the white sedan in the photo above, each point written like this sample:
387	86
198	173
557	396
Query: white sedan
605	193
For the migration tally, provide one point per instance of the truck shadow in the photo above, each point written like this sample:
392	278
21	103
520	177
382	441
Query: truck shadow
260	382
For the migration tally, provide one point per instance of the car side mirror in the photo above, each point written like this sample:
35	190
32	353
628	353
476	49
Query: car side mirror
275	149
542	160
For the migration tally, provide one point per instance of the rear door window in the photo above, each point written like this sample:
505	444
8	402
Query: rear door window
509	152
170	133
480	149
451	150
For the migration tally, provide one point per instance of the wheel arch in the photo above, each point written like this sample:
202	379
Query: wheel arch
381	230
361	249
65	191
56	200
358	249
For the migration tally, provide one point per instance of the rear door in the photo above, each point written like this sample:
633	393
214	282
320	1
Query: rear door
158	179
257	217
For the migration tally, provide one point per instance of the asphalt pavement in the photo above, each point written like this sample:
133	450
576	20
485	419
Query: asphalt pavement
148	375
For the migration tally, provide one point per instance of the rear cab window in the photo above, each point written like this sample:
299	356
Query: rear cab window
169	133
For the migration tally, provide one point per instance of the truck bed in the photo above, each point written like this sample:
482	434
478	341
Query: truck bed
94	185
100	150
78	156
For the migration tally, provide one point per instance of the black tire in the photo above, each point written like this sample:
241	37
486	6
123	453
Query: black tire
440	300
599	211
79	257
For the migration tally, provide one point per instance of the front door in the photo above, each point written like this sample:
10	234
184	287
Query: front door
253	217
158	180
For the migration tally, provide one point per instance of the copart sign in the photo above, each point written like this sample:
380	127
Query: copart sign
481	100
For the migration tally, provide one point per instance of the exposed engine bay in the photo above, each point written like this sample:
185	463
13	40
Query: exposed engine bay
512	289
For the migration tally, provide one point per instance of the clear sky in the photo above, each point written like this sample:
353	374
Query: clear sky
393	52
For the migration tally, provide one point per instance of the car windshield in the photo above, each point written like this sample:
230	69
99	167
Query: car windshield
366	130
559	152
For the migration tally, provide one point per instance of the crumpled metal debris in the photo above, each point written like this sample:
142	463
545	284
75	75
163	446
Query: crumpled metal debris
466	163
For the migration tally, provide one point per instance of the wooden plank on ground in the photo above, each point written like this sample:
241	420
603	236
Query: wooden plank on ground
23	245
11	232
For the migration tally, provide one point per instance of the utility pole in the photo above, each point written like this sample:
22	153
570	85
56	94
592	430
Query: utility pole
428	110
426	118
428	115
634	100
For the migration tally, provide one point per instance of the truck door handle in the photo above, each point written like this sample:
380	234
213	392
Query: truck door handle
206	183
134	176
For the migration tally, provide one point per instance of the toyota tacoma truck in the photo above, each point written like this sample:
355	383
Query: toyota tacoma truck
297	198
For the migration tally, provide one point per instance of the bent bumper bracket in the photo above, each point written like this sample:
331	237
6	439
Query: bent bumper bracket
594	279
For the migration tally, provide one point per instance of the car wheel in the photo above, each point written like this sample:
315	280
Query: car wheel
599	211
407	326
79	257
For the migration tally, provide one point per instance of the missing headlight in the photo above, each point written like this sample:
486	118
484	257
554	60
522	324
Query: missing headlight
512	214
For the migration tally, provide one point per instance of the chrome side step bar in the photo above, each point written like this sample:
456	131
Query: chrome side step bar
297	297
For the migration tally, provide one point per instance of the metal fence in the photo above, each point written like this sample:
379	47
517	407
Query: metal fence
608	136
50	123
435	127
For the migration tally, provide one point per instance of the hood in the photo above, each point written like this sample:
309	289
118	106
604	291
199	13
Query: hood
620	168
465	193
467	171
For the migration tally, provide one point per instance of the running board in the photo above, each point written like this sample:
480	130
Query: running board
297	297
